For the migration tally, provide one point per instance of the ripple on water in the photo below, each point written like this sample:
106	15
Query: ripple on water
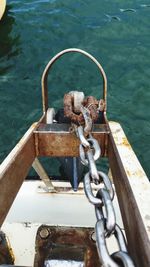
128	10
112	17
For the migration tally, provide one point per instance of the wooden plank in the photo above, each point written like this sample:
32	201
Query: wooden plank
55	140
133	191
14	169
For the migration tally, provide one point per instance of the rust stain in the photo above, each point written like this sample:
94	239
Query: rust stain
122	141
62	144
128	173
138	173
125	142
69	242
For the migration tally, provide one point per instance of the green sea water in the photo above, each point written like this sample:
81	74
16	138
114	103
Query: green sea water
116	32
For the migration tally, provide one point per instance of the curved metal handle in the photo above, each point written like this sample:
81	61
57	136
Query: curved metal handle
51	62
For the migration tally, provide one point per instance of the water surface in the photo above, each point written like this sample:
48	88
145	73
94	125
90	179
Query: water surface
115	32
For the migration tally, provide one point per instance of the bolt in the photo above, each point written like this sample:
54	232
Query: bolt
44	233
93	236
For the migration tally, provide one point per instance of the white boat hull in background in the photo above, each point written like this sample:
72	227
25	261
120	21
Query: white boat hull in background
2	7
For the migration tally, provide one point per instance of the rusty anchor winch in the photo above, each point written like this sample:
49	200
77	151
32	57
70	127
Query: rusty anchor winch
78	110
82	113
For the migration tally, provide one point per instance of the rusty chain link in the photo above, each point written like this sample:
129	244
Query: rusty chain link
82	111
90	151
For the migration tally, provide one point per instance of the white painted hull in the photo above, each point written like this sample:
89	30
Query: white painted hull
33	207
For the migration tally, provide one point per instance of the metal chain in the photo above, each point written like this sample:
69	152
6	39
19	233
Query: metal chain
106	226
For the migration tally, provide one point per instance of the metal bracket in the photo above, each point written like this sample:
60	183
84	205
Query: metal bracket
44	176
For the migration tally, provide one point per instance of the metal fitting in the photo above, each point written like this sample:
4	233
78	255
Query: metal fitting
44	233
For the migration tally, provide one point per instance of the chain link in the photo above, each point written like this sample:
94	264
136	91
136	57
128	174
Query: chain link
106	226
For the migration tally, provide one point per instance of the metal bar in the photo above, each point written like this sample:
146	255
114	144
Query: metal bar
43	175
52	61
132	187
14	169
55	140
63	127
